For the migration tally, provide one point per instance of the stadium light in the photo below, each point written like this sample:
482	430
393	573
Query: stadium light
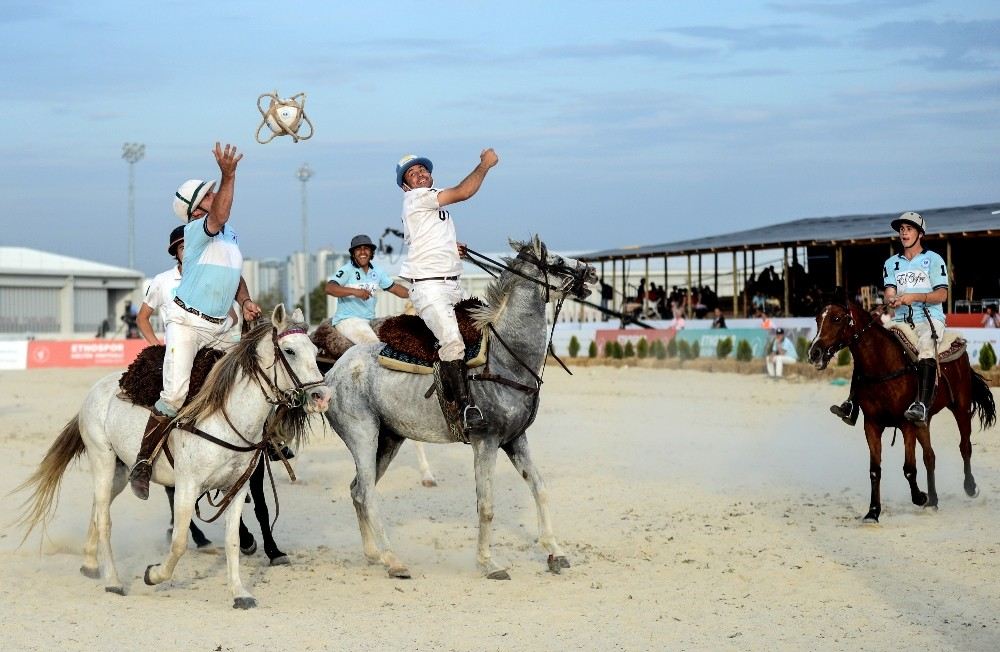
303	174
132	153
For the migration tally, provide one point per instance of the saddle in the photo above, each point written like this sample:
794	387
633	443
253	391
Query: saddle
951	345
411	347
142	382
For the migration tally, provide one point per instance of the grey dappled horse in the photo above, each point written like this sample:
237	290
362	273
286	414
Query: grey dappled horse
375	409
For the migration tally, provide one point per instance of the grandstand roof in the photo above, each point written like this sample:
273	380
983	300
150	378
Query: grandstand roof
22	260
812	231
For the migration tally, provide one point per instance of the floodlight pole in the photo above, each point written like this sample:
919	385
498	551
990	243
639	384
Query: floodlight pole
132	153
304	173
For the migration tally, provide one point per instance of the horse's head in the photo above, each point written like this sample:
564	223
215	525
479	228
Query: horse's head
292	355
835	325
564	275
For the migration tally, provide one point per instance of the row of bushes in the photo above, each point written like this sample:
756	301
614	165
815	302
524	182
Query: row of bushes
689	351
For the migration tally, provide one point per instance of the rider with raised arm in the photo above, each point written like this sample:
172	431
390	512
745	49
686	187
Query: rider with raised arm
433	267
916	286
198	316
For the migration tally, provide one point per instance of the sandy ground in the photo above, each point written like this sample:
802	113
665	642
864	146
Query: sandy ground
700	512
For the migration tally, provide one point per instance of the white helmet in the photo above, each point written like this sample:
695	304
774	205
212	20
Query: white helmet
189	195
915	220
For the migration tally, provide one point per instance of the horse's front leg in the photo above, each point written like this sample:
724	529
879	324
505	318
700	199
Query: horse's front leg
485	454
910	463
873	433
185	495
274	554
426	476
241	597
923	435
520	457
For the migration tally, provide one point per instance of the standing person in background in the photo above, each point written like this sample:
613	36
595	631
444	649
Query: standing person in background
354	285
161	289
129	320
199	313
719	321
433	267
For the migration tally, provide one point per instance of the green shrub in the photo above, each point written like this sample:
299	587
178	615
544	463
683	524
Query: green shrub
684	350
658	350
987	357
802	348
696	349
672	348
616	350
642	348
592	349
744	352
609	349
844	358
629	349
574	346
724	348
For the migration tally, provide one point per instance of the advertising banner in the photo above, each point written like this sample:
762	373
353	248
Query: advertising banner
633	335
83	353
13	355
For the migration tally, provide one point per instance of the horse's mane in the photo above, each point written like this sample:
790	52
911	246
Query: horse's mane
498	292
239	360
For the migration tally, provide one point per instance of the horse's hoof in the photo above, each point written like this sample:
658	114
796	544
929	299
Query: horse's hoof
553	564
400	573
931	506
281	560
145	576
244	603
498	575
92	573
249	550
429	482
204	543
919	499
563	562
972	492
117	590
871	518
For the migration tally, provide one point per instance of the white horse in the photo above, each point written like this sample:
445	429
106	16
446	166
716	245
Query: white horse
242	390
374	409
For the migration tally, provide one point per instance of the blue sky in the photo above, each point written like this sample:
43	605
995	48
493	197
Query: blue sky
616	122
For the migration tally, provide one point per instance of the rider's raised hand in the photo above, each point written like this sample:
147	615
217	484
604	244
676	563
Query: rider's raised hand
488	157
227	158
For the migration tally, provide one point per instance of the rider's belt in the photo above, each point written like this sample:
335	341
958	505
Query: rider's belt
430	278
197	313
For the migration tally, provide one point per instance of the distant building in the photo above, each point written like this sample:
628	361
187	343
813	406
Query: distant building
49	296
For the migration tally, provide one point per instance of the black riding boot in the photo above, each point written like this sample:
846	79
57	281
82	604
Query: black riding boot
920	409
848	410
456	389
156	427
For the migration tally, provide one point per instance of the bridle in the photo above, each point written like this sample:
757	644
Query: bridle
279	399
853	339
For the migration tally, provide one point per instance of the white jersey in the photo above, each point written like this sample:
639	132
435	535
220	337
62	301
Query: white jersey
430	235
161	291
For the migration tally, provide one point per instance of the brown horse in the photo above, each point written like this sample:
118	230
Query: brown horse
885	382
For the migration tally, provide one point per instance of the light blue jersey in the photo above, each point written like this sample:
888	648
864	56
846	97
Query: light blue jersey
212	268
352	276
925	273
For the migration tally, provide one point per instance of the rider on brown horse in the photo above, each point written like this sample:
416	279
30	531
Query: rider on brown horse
916	285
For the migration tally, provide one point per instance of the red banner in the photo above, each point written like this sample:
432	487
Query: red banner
49	354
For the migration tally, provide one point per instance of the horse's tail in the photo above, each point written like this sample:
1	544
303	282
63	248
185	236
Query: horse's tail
982	402
45	481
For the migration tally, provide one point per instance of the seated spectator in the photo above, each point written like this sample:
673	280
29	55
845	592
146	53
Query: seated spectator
779	352
719	321
990	318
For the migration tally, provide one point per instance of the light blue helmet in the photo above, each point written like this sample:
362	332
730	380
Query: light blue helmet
408	162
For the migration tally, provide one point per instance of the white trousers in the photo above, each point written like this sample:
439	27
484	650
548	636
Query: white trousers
357	330
925	343
776	364
435	302
184	335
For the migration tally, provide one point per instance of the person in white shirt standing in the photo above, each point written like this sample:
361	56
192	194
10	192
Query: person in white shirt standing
433	267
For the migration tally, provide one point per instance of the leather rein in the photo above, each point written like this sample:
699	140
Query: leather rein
279	399
854	338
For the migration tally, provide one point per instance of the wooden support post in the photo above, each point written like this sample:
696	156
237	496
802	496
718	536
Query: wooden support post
690	293
951	278
736	307
784	275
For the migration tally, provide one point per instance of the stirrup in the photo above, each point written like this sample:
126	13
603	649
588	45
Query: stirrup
475	423
917	412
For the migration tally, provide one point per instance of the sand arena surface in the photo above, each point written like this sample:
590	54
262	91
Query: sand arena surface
700	512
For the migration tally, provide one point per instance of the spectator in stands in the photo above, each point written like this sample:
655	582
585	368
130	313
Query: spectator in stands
779	352
719	321
765	319
990	318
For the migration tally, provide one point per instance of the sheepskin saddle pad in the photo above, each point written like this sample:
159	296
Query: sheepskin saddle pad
411	347
142	382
